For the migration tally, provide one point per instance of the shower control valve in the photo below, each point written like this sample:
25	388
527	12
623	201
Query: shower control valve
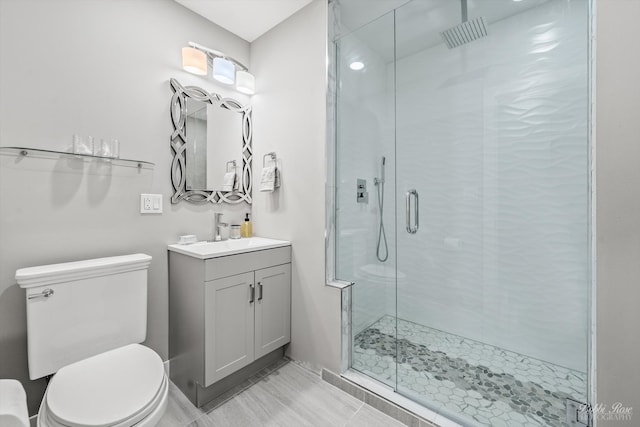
362	196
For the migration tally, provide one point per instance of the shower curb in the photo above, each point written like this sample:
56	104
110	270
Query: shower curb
378	402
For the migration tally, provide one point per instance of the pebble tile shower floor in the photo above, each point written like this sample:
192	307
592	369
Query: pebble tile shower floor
487	384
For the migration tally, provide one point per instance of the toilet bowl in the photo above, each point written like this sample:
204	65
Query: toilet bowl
85	322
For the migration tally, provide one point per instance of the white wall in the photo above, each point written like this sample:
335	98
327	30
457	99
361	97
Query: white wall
618	206
98	68
290	118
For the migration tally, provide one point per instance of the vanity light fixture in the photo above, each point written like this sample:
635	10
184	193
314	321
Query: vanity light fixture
225	69
245	82
194	61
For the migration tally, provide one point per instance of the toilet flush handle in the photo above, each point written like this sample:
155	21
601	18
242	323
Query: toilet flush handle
44	294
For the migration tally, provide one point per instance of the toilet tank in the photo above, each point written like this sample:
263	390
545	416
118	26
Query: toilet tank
96	305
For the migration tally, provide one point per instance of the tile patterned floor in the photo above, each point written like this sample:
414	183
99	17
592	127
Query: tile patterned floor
283	395
488	385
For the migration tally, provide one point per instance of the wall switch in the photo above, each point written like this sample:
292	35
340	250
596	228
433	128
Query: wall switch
150	203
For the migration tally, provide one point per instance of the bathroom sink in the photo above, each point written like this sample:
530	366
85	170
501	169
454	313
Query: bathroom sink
205	250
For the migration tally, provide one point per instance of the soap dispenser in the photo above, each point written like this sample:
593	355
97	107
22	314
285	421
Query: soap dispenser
247	229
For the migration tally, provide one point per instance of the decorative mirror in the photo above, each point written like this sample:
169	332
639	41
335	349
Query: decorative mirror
211	144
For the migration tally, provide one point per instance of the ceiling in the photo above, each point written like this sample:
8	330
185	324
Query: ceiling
248	19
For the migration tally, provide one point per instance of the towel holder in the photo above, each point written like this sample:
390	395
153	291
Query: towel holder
273	157
233	165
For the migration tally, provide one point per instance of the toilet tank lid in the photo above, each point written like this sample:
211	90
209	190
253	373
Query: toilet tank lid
69	271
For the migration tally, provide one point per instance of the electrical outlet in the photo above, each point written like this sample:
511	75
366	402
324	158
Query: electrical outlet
150	203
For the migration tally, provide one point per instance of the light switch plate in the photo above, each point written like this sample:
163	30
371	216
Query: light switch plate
150	203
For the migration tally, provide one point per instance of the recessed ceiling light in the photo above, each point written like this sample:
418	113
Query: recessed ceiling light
356	65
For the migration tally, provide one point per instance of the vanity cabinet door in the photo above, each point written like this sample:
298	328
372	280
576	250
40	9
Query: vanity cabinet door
229	325
273	308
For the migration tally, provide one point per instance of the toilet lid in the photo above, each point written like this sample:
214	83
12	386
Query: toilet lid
106	389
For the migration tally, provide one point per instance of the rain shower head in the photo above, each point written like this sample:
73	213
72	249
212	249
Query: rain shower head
467	31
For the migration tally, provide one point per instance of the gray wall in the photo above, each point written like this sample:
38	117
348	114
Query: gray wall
290	119
618	206
98	68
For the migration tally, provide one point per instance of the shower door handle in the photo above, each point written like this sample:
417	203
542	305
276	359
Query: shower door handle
412	229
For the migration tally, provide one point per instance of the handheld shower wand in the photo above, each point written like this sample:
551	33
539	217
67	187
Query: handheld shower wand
380	180
381	247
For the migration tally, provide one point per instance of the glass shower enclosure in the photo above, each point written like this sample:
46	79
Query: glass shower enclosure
462	169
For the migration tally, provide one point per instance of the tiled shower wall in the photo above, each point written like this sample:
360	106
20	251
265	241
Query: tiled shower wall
493	135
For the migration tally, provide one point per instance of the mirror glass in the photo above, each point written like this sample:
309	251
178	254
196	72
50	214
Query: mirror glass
212	147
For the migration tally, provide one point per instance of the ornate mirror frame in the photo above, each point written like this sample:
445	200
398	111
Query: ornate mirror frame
179	143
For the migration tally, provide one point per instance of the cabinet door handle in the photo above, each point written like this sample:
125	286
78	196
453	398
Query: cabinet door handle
259	291
253	292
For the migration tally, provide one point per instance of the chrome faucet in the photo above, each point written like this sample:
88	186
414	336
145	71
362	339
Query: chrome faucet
217	237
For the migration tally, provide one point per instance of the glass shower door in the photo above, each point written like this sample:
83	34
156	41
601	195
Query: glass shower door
492	210
462	206
365	213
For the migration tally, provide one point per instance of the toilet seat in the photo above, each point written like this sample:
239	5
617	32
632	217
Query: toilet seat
122	387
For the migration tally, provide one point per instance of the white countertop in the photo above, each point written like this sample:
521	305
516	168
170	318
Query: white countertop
205	250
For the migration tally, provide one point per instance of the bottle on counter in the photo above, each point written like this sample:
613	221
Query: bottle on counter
247	228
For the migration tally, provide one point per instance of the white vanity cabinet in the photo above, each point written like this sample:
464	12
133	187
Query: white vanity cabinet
226	314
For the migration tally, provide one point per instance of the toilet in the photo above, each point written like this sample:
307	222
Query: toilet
85	323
